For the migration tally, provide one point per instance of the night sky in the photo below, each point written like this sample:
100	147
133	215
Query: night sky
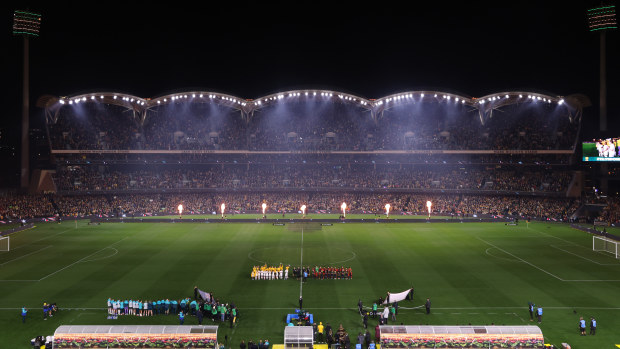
253	49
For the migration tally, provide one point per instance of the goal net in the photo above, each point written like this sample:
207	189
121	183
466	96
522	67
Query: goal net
4	243
602	244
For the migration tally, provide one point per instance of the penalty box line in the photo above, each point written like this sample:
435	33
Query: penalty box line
26	255
80	260
522	260
585	258
41	239
541	269
574	244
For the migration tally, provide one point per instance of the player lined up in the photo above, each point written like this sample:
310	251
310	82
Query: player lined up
322	272
265	272
148	308
213	309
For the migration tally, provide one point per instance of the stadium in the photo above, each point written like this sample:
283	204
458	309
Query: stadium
318	148
474	203
308	176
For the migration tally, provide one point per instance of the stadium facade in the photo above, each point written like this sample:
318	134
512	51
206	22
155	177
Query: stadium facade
316	146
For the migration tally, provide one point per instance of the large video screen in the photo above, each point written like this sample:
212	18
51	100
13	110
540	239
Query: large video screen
607	149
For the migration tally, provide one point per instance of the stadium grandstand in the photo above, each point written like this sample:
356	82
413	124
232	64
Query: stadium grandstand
508	153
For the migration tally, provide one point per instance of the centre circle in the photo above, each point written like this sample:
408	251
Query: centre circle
312	256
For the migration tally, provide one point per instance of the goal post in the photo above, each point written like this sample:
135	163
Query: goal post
5	243
603	244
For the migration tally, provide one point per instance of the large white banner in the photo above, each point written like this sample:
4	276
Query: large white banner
204	295
396	297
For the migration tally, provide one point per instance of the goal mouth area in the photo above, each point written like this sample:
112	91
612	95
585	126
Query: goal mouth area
5	244
604	244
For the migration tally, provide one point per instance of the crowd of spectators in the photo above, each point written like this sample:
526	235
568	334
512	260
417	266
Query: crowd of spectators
470	184
282	203
313	127
269	176
24	206
611	212
244	158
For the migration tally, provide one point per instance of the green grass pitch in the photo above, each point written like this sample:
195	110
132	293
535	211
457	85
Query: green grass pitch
478	273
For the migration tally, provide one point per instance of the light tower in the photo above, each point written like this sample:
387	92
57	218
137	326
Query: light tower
26	24
602	19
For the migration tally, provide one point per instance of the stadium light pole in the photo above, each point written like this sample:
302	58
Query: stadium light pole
26	24
602	19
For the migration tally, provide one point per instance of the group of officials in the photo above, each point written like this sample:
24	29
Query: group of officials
538	311
582	326
535	310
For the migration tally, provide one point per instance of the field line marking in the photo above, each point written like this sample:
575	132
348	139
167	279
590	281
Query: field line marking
19	231
582	257
506	259
541	269
26	255
81	259
591	280
555	237
106	257
80	314
570	242
523	260
573	243
355	308
251	255
517	315
18	280
45	238
301	266
346	260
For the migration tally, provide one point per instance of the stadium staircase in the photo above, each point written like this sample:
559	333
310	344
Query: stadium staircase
588	210
54	205
575	186
407	201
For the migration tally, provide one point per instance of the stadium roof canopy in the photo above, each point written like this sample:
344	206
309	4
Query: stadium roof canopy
484	104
